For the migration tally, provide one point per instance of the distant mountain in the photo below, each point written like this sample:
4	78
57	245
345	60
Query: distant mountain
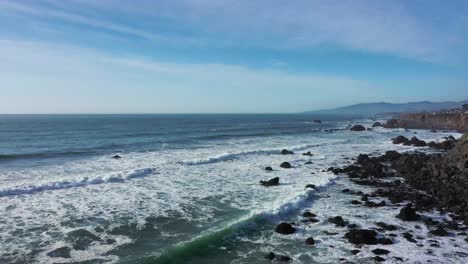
367	109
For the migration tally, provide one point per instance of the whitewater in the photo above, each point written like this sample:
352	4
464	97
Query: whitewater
186	189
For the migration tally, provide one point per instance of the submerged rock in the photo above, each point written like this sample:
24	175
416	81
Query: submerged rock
63	252
440	231
81	239
285	229
269	183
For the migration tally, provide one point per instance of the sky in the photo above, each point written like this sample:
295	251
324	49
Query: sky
228	56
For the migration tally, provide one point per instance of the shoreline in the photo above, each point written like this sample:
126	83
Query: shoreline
393	181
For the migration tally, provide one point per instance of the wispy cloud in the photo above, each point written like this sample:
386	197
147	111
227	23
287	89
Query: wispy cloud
401	28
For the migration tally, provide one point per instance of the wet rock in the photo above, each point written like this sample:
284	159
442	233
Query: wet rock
380	251
409	237
286	165
356	202
308	163
386	226
377	124
352	226
286	152
330	233
401	140
414	141
270	256
362	236
408	213
310	241
311	186
309	214
283	258
308	153
116	157
269	183
373	204
63	252
285	229
385	241
81	239
355	251
268	168
338	221
358	128
440	231
379	259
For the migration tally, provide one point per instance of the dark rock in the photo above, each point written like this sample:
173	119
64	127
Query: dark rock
345	190
318	121
285	165
310	241
311	186
308	163
338	221
63	252
440	231
409	237
270	256
379	259
392	123
308	153
380	251
309	214
283	258
362	236
352	226
408	213
268	168
269	183
355	251
400	140
358	128
386	226
285	229
356	202
286	152
385	241
116	157
373	204
377	124
417	143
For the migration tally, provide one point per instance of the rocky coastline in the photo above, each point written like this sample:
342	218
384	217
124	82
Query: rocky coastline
417	183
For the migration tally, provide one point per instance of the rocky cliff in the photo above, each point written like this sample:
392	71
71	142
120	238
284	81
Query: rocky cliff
451	120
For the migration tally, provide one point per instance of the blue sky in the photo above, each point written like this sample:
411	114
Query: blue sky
228	56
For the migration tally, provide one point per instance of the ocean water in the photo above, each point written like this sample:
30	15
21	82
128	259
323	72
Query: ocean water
186	189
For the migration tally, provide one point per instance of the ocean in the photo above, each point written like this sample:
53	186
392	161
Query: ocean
185	190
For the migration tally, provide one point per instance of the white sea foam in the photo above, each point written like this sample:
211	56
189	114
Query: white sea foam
64	184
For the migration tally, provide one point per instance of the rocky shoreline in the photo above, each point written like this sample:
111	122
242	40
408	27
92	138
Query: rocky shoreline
416	183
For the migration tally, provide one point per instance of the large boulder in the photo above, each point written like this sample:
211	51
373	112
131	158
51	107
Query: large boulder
392	123
362	236
269	183
358	128
414	141
338	221
285	229
408	213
